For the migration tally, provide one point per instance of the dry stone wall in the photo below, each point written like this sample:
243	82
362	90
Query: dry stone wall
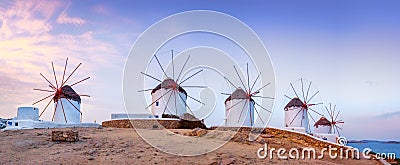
153	124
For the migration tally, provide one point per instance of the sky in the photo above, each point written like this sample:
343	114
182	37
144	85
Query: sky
349	49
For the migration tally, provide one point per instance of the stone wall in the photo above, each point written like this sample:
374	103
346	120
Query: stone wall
242	136
153	124
279	133
308	141
300	138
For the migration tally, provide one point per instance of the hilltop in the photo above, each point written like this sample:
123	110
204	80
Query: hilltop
124	146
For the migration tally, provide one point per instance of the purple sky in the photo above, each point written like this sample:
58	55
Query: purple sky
349	49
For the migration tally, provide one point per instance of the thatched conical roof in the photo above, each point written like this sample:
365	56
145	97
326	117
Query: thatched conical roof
322	121
69	93
239	93
168	83
295	102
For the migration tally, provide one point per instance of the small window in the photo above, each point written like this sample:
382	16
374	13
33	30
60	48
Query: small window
157	103
16	124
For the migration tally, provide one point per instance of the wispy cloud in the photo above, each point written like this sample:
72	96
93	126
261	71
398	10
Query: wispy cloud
389	115
30	39
64	18
100	9
19	19
371	83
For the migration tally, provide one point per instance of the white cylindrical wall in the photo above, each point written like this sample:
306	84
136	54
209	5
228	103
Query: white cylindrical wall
158	107
324	129
71	114
232	114
328	137
28	113
301	120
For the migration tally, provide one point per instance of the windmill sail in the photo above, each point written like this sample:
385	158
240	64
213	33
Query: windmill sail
66	100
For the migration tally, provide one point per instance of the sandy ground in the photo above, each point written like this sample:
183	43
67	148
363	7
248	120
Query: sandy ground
125	146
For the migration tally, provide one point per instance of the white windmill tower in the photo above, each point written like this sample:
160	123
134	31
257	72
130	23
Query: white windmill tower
328	129
334	120
167	89
322	126
169	98
66	101
298	109
240	100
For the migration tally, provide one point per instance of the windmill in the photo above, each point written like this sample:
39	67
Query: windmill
169	97
298	109
243	99
66	101
334	120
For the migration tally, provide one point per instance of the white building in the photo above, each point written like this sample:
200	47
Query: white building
239	109
28	113
116	116
28	118
296	116
171	102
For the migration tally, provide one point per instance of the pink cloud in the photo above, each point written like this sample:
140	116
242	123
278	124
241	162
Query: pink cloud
64	18
47	8
29	42
100	9
22	17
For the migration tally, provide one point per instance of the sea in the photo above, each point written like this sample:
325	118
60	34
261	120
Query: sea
378	147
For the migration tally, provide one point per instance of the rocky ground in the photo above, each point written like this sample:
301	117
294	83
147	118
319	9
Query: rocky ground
125	146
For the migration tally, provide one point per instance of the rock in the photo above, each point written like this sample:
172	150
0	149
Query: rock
201	132
120	150
67	136
262	141
55	153
97	145
267	136
77	148
229	161
196	132
214	163
91	158
85	137
188	116
91	152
